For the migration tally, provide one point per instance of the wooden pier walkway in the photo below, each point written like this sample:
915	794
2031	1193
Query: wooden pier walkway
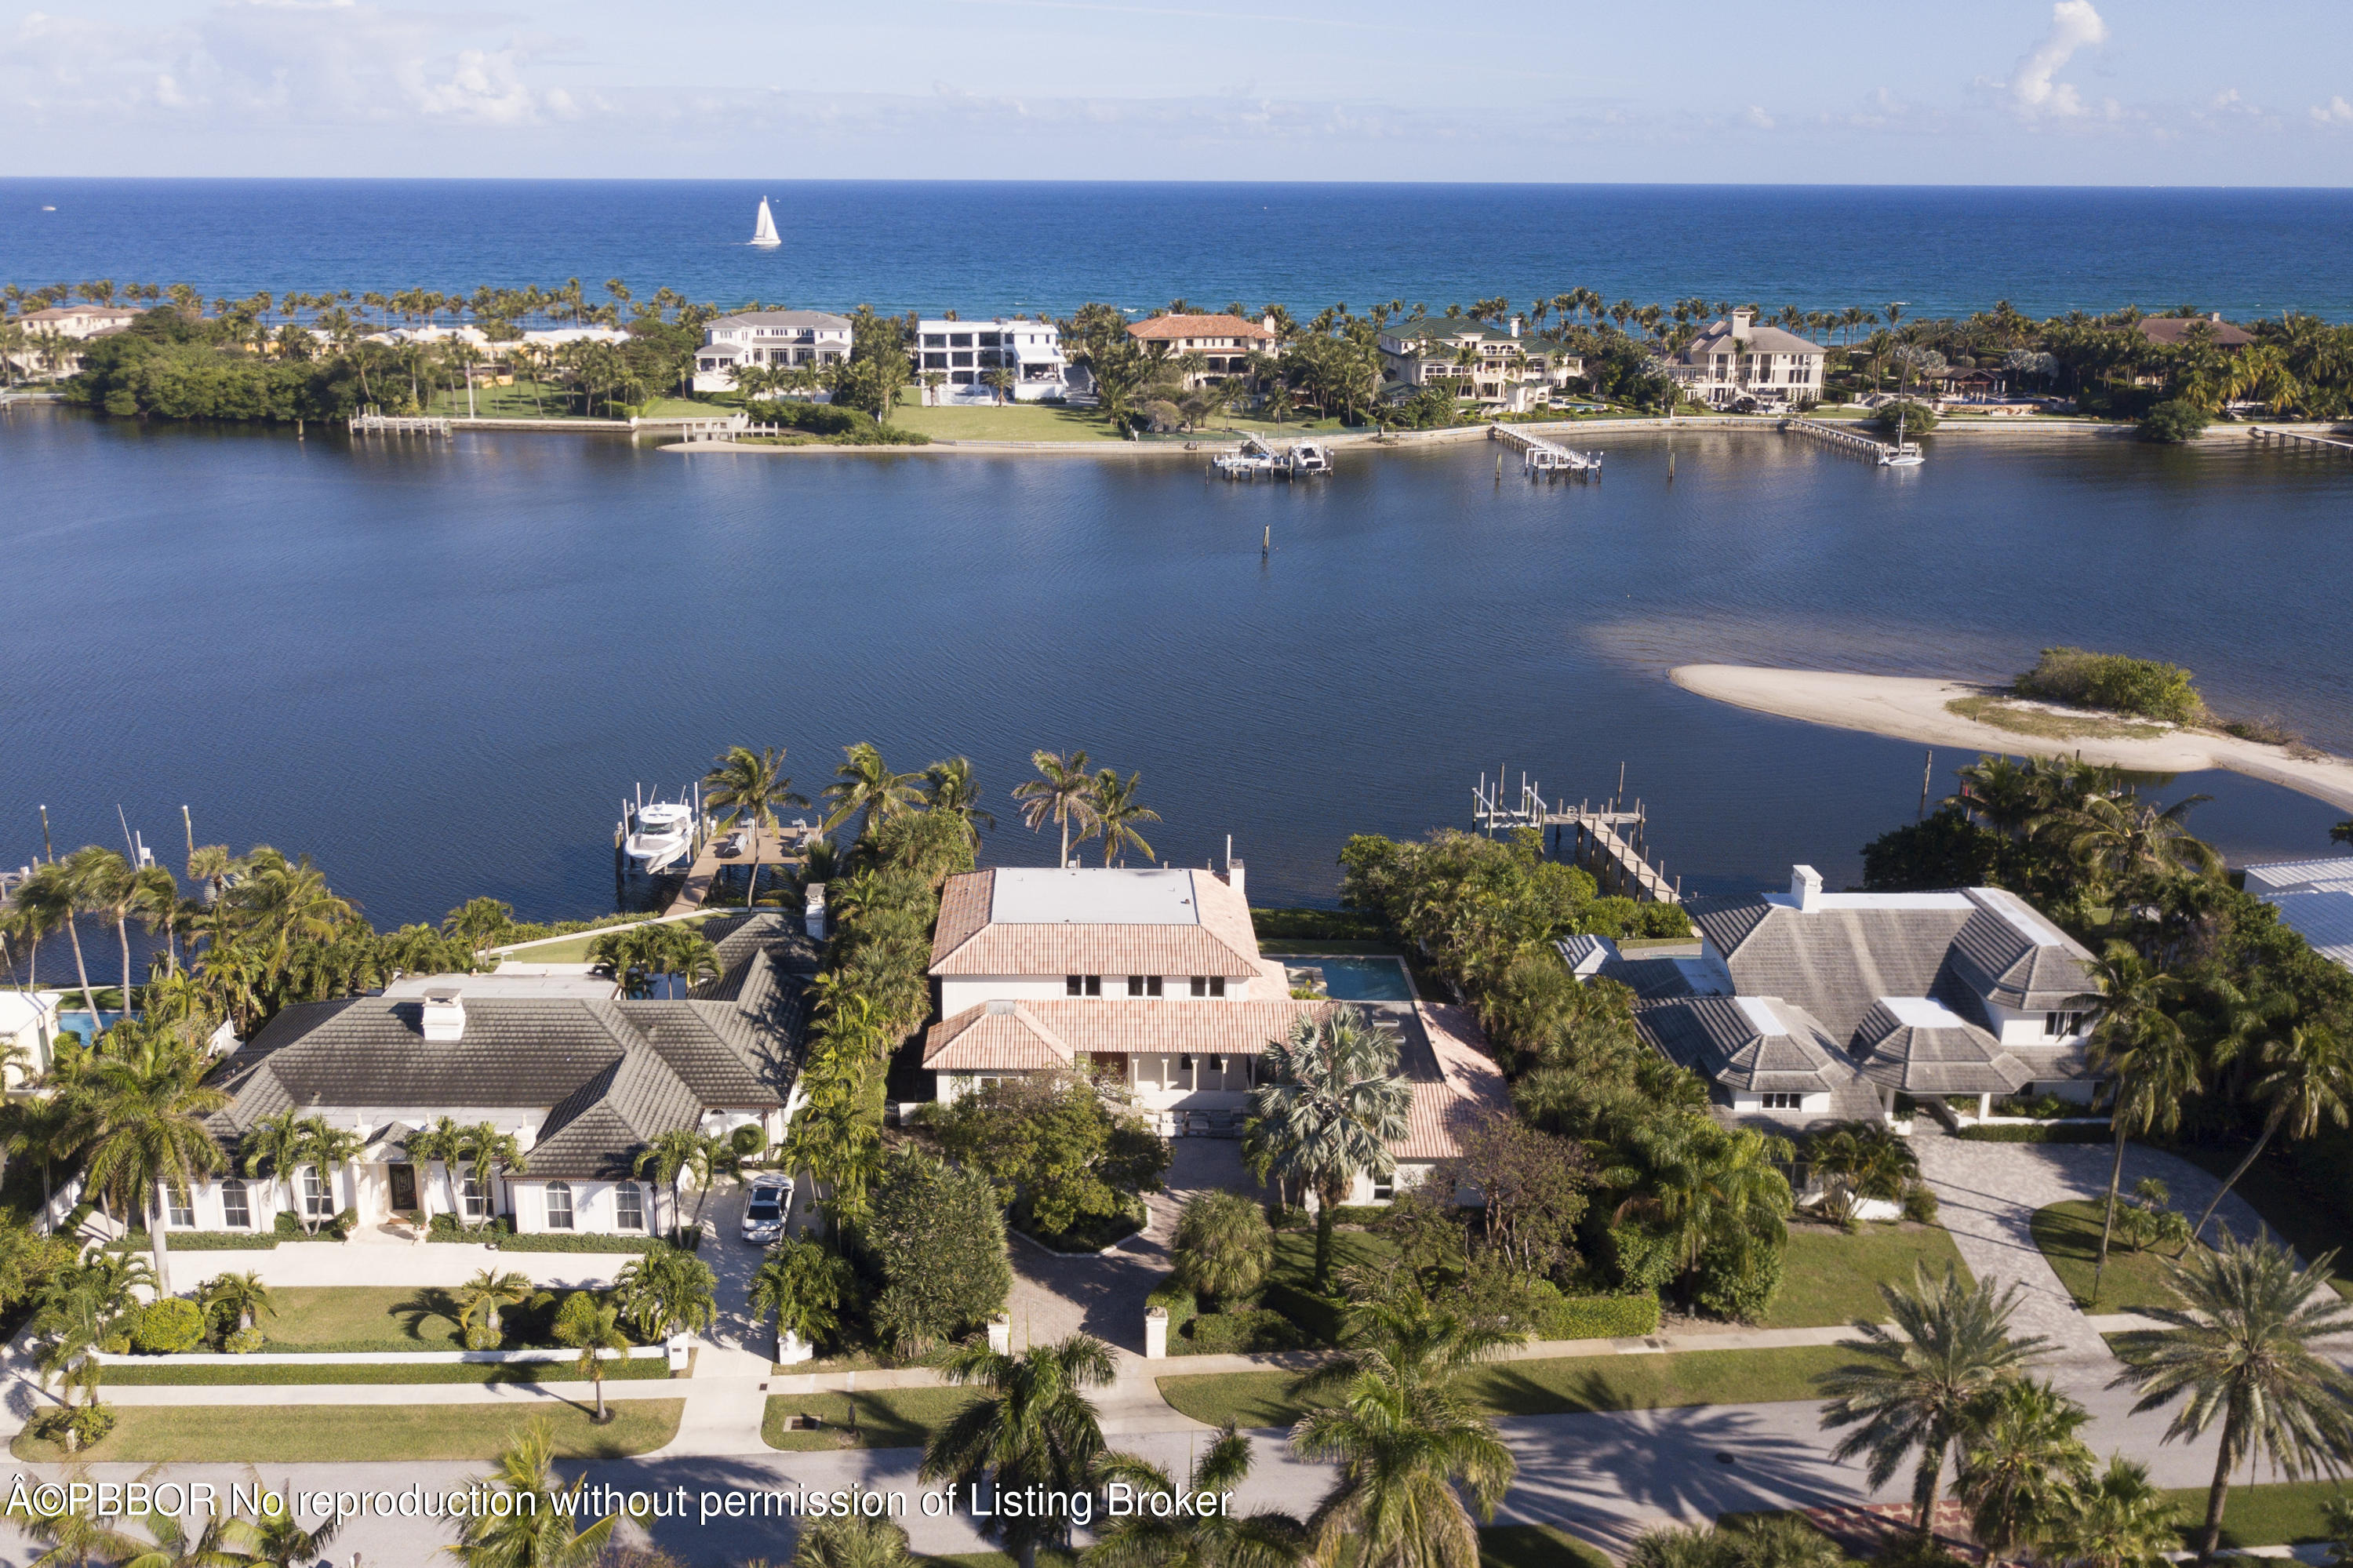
1852	441
1548	460
1610	841
369	422
2296	438
784	847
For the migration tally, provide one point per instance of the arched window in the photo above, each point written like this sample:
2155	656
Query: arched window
559	1205
235	1213
629	1207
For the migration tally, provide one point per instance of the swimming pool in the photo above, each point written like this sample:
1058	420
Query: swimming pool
1362	979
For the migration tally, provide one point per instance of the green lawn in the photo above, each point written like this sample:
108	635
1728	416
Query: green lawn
272	1372
2069	1236
2307	1225
513	402
1832	1278
377	1318
1013	422
2278	1515
890	1418
574	949
294	1434
1565	1386
1500	1546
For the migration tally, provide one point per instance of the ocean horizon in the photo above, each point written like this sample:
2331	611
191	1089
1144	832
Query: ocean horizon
988	248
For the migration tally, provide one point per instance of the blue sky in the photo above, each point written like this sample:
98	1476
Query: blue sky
1984	91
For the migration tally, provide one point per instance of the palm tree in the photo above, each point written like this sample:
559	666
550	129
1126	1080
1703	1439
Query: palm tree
2304	1077
1334	1104
242	1296
1408	1451
1116	813
281	1541
864	783
948	787
326	1150
1063	793
105	885
2241	1346
749	786
444	1141
1223	1246
480	1301
592	1328
851	1541
2021	1464
2118	1521
1917	1385
49	896
1211	1540
478	924
492	1153
801	1285
2126	840
147	1132
1034	1427
1707	1185
669	1155
2149	1064
536	1531
668	1292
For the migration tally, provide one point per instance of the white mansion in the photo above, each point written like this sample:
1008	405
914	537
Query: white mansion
1739	364
773	339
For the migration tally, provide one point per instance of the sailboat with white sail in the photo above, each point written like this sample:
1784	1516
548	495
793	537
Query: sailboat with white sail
764	233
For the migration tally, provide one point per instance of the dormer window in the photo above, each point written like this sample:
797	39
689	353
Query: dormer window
1209	985
2060	1025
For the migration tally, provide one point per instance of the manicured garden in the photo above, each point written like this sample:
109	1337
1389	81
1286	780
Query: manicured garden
1554	1386
382	1318
2069	1236
300	1433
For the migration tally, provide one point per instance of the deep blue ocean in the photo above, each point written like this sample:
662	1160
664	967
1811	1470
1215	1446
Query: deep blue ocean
989	247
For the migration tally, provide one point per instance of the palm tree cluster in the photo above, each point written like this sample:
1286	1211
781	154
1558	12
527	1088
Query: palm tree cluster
639	955
1093	804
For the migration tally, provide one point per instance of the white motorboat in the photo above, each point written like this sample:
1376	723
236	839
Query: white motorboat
764	233
661	836
1310	458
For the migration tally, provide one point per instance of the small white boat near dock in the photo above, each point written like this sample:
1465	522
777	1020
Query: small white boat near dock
656	835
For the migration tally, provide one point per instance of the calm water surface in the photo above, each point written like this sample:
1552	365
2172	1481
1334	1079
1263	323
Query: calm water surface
982	247
438	667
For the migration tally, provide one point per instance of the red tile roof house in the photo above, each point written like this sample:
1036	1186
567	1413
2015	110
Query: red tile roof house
1225	343
1152	979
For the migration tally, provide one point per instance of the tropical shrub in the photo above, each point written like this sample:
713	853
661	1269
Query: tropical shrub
1917	419
1920	1203
77	1427
1054	1150
168	1327
1250	1330
244	1342
1598	1318
1223	1246
934	1242
2145	688
2172	422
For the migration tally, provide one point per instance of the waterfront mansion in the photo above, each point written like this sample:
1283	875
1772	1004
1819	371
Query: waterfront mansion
1225	343
773	339
1810	1004
1152	981
962	354
583	1079
1737	364
1488	364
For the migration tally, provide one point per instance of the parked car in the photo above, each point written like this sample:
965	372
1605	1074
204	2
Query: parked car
765	1208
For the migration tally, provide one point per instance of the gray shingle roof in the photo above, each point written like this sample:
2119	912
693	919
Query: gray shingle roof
1834	963
2010	954
1922	1057
1721	1038
597	1131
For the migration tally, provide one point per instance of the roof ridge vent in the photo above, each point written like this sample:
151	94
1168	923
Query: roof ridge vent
999	1006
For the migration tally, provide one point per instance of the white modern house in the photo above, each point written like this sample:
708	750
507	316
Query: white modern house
1494	365
1738	363
964	353
775	339
1810	1004
1151	980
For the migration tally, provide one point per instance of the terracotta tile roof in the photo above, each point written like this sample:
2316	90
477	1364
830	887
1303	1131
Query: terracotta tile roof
968	942
2173	331
1019	1036
1468	1084
1156	328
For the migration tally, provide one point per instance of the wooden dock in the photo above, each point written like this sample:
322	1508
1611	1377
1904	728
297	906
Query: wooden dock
369	422
2297	438
1541	459
782	846
1852	441
1612	841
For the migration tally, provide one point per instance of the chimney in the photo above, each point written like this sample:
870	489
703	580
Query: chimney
1267	321
1805	888
1233	868
815	916
1515	326
2216	318
1740	320
445	1016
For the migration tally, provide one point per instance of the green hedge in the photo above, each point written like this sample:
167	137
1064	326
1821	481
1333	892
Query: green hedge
498	1233
1318	1317
2145	688
2034	1134
1317	925
1181	1304
196	1240
1252	1331
1599	1318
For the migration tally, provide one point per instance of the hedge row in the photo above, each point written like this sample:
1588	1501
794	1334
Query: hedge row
197	1241
1319	1317
1250	1330
2034	1134
1599	1318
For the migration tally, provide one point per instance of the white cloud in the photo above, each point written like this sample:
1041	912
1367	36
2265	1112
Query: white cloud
2335	111
1757	119
2034	90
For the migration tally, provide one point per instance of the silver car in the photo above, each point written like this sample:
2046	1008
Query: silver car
766	1207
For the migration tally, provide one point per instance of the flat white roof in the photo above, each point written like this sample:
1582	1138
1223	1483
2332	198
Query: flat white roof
1045	896
1878	901
20	1008
1761	1014
542	987
1923	1013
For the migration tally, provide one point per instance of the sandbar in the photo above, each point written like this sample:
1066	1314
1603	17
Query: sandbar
1913	708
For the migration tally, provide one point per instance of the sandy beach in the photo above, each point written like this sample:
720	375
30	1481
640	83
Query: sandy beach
1911	708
